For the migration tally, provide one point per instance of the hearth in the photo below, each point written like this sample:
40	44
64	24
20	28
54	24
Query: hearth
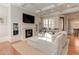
28	33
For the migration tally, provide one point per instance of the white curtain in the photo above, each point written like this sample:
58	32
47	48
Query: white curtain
48	23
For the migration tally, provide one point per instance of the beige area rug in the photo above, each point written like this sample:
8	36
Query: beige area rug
25	49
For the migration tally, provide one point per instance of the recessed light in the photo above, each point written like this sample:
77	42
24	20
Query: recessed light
68	5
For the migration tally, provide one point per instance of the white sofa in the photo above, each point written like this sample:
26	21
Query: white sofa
58	46
61	42
44	46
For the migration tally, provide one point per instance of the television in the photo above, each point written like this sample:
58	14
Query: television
28	18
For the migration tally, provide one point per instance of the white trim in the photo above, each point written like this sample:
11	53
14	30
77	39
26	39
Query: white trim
4	39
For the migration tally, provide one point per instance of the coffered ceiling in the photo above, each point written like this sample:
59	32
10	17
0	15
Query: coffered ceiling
49	8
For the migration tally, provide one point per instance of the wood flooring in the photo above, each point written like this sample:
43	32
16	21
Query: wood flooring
73	49
7	49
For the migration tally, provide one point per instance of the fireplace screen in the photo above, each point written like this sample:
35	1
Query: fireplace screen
28	33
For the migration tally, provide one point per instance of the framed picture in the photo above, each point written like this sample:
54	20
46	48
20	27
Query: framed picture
15	29
3	20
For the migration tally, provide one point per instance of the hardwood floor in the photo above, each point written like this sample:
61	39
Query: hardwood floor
73	49
73	45
7	49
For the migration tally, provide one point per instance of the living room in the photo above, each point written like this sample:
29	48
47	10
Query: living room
42	25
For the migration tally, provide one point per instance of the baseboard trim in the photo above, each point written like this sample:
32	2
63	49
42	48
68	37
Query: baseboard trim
16	41
9	39
4	39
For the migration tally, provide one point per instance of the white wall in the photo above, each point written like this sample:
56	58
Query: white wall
73	21
13	14
74	24
4	30
16	17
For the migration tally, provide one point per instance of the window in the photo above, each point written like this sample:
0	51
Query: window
48	23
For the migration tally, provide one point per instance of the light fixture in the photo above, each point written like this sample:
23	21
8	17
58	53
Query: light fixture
68	5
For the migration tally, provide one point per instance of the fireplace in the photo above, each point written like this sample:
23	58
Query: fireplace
28	33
